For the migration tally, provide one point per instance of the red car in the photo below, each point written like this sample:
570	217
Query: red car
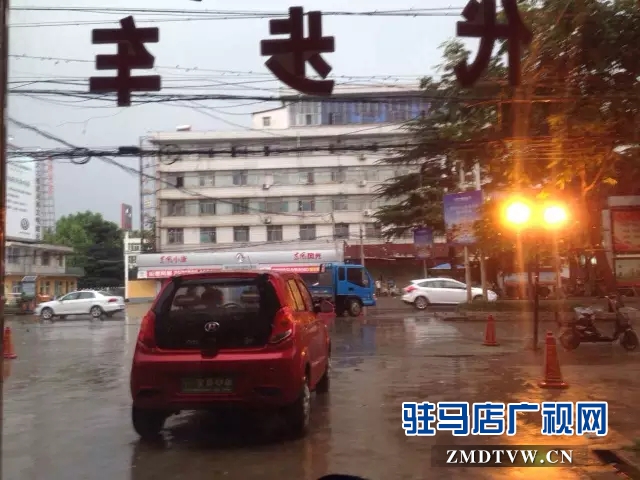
230	339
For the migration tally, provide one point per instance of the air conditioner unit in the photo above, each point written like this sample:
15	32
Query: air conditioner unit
363	183
368	213
362	157
267	220
266	186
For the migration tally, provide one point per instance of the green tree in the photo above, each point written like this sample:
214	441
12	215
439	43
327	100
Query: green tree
569	131
453	135
97	244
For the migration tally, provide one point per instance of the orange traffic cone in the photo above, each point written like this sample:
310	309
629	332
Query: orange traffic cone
552	374
7	346
490	333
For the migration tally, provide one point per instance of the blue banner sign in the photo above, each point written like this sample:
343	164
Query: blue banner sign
423	240
461	211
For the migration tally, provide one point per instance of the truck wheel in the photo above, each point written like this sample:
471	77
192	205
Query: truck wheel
354	307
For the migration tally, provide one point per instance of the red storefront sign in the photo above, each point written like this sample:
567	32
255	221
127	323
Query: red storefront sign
295	268
181	271
625	230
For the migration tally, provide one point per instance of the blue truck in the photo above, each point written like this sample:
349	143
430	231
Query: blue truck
348	287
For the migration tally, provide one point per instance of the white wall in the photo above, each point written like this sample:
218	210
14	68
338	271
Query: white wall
279	119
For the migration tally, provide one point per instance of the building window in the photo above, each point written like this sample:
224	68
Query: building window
275	205
307	232
61	260
373	230
175	236
132	260
207	207
13	255
46	258
206	179
134	247
241	234
307	177
306	205
372	174
240	206
274	233
339	175
330	119
240	178
308	119
175	208
341	230
266	121
207	235
340	204
175	180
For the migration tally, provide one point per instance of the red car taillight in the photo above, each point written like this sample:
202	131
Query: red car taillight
410	289
112	300
147	336
282	326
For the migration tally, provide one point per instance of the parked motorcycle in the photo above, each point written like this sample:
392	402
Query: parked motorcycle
583	328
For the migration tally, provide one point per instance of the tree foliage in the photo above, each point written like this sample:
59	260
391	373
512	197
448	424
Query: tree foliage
97	245
452	134
568	133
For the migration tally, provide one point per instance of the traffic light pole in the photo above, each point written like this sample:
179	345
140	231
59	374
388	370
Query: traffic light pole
536	298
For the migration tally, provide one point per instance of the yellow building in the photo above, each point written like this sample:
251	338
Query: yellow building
47	263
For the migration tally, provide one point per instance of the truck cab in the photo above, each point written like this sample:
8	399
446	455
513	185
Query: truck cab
348	287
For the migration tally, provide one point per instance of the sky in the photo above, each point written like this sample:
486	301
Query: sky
204	55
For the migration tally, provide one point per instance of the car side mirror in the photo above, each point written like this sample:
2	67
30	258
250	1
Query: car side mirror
323	307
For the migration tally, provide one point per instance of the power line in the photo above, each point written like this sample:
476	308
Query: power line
224	73
79	152
167	15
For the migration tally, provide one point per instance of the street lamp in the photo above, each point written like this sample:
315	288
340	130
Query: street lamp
524	215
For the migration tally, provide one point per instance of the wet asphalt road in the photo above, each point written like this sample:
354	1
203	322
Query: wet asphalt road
67	406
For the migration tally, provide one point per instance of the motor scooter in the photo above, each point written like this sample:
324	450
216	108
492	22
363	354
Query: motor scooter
583	328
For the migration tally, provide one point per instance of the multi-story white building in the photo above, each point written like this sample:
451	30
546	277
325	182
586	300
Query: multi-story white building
290	200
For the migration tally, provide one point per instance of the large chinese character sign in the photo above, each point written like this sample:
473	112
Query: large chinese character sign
289	56
481	23
131	54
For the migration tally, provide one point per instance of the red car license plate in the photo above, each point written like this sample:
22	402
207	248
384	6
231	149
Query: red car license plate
207	385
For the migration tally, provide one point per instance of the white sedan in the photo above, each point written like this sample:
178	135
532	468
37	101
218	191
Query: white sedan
441	291
85	302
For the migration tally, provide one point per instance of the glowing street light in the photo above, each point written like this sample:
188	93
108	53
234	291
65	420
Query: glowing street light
517	213
555	216
524	215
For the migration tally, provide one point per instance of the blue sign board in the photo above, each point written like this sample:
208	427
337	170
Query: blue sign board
461	211
422	240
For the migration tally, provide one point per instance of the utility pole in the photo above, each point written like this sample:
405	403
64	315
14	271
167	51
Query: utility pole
361	245
467	263
126	264
4	40
142	196
364	309
483	267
